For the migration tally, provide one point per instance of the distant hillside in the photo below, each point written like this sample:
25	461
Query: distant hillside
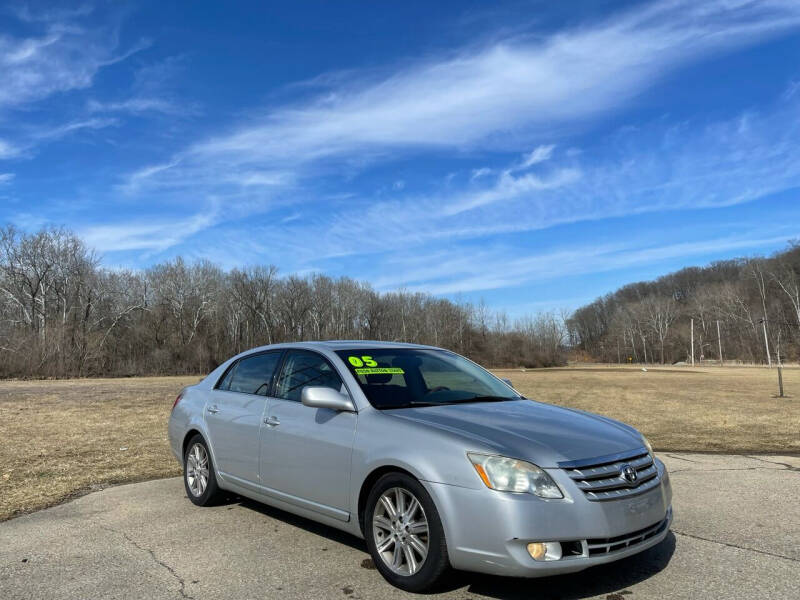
651	321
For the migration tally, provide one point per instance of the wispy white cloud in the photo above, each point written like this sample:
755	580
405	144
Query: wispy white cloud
153	91
509	187
25	12
507	109
207	180
499	95
657	167
135	106
6	178
59	131
65	57
791	89
481	270
58	54
292	217
150	235
8	150
31	137
538	155
134	180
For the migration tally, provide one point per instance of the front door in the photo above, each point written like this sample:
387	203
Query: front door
306	452
235	414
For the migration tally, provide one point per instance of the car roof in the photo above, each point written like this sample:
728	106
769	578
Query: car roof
334	345
346	344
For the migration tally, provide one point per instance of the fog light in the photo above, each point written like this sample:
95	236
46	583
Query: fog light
537	550
544	550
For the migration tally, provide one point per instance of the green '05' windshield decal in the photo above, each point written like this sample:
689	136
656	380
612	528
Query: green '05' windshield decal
379	371
360	362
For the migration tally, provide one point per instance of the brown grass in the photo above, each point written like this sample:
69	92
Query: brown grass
62	438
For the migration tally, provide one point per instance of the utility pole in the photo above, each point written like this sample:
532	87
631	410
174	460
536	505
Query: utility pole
692	321
719	341
766	342
780	365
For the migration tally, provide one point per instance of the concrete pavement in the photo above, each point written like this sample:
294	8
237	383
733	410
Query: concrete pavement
736	535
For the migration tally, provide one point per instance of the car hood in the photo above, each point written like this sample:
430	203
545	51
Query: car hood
541	433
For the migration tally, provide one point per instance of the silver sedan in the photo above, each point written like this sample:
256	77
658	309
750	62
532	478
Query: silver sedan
431	459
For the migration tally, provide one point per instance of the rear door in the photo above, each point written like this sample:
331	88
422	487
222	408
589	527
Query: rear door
235	413
305	452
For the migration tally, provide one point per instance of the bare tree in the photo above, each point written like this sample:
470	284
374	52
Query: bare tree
660	316
786	274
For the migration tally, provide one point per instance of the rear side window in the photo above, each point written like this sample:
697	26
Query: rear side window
301	369
252	375
225	382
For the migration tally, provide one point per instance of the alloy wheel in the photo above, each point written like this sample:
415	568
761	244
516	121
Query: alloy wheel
197	470
400	531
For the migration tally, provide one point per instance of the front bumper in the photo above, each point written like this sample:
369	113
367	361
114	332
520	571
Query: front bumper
488	531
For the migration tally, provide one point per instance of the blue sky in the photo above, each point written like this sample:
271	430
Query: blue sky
534	154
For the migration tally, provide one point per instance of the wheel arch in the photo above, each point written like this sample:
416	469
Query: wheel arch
189	435
369	482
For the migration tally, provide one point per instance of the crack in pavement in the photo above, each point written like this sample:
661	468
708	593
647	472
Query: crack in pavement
729	545
690	470
680	458
774	462
135	544
776	466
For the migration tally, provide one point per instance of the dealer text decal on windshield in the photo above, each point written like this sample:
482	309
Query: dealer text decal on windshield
379	371
366	365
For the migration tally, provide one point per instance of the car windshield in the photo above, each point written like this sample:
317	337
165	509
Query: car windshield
408	377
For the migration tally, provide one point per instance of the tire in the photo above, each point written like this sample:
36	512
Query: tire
198	474
391	539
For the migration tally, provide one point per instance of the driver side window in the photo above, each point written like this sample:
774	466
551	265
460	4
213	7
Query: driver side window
301	369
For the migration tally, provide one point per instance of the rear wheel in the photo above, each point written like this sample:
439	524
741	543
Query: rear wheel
404	533
198	473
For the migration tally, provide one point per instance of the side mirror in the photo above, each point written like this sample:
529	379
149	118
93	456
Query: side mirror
507	382
325	397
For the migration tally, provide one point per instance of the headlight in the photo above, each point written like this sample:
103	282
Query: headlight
512	475
648	446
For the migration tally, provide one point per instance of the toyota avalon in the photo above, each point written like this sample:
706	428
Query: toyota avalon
434	461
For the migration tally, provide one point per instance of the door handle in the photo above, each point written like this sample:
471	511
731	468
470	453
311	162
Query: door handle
272	421
213	409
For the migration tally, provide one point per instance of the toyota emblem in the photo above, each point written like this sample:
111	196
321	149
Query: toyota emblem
628	473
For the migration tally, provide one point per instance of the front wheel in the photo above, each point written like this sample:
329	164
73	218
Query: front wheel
198	473
404	533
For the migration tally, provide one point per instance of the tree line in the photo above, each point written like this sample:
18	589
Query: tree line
62	313
745	310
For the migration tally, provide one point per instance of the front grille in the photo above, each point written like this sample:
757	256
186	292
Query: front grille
603	479
620	542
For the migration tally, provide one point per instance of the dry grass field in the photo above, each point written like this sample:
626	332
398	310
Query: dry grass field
62	438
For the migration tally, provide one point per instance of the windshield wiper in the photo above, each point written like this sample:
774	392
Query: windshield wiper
452	402
412	405
483	399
